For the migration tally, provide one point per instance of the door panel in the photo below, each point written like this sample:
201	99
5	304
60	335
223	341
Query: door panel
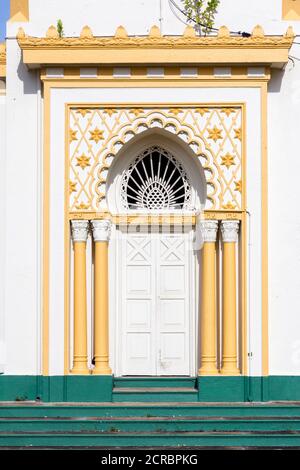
155	303
138	355
173	304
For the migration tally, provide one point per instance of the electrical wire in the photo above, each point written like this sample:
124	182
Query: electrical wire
173	5
211	28
174	12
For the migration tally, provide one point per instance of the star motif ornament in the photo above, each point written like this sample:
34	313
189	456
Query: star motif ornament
110	111
238	186
96	135
136	111
229	206
82	206
83	161
175	111
238	133
83	111
72	187
72	135
228	111
215	134
227	160
202	111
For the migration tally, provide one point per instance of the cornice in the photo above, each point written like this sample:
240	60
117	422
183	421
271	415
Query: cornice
121	48
152	41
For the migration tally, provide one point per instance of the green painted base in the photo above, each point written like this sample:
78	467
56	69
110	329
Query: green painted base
100	388
76	388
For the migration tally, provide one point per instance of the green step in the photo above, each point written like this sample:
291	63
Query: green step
135	382
161	439
155	394
31	409
166	424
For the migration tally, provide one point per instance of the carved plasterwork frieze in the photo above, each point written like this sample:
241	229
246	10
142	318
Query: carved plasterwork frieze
96	134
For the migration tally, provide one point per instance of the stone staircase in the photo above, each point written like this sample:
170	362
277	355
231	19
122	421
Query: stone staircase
155	390
144	424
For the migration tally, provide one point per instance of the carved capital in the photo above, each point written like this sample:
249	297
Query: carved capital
80	230
101	230
209	229
230	230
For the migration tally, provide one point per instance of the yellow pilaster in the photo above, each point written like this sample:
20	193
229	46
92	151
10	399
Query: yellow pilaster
101	233
229	230
208	333
79	235
19	11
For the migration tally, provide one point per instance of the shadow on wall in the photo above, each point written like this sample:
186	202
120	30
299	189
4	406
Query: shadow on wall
29	78
276	80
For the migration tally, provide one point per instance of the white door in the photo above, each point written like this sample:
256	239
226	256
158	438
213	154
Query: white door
155	308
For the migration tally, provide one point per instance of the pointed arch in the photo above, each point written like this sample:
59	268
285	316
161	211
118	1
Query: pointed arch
173	148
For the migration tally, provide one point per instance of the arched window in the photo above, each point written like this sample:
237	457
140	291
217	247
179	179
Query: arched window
155	180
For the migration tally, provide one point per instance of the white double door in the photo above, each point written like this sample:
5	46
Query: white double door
156	308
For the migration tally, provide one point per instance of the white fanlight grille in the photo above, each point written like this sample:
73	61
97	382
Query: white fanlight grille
155	181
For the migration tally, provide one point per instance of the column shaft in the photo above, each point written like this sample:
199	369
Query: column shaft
80	365
229	323
101	231
208	339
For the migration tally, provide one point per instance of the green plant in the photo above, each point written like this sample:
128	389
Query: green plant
60	28
202	13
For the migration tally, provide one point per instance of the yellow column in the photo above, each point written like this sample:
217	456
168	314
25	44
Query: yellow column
230	229
101	233
208	333
79	235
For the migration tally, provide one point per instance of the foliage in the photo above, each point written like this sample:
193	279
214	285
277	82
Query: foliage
60	28
201	12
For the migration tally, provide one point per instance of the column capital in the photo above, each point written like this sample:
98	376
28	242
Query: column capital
80	230
101	230
209	229
230	230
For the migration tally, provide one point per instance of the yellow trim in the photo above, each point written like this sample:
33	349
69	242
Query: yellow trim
67	255
46	228
243	253
208	316
291	10
2	60
264	229
170	73
153	49
145	219
48	84
101	312
159	83
80	353
19	11
229	323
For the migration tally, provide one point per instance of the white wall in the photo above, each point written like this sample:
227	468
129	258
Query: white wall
23	222
2	211
284	222
139	15
22	219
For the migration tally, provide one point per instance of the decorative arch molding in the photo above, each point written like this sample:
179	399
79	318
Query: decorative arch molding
169	143
97	135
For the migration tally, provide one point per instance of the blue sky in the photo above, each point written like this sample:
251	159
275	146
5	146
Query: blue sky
4	15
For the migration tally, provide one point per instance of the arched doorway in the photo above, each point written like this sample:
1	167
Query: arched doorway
155	189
